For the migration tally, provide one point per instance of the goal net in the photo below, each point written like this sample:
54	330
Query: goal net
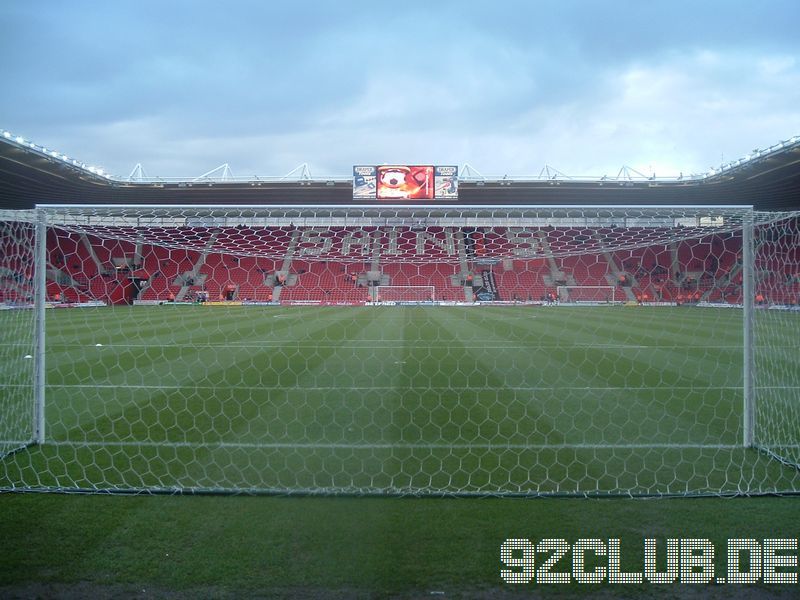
405	293
226	349
590	294
17	332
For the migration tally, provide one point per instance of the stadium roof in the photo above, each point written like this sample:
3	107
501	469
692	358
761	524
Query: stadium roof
30	174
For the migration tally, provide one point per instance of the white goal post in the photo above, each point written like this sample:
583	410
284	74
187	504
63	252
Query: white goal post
225	349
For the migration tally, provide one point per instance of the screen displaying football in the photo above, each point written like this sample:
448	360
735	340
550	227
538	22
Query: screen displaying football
405	182
412	182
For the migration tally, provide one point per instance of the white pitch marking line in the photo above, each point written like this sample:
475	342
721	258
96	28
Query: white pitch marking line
389	387
388	344
395	446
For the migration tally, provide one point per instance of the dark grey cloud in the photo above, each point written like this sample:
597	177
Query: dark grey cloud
506	86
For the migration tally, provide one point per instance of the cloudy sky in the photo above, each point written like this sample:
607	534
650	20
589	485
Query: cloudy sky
506	86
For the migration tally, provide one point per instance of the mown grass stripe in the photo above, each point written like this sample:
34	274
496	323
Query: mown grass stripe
402	398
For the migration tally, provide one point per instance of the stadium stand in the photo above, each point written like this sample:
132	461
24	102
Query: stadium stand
342	265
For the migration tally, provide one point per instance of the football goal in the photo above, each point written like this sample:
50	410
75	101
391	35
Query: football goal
214	349
405	293
589	294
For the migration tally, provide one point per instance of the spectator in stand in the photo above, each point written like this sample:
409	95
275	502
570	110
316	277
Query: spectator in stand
171	297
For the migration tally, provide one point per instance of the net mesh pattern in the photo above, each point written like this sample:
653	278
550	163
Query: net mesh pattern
402	351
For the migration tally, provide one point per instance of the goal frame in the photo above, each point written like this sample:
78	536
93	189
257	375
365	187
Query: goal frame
380	288
39	435
612	289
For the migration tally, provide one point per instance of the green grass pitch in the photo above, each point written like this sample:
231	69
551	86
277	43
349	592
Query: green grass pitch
401	400
413	399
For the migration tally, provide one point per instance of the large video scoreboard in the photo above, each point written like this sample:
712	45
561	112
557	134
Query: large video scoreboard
405	182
